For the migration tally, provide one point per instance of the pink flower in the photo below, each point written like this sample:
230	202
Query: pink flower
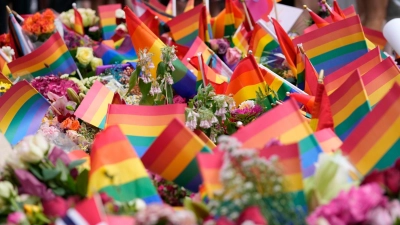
55	207
178	99
53	84
379	216
15	218
233	56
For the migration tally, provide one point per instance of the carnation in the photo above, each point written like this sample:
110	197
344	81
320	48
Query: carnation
55	85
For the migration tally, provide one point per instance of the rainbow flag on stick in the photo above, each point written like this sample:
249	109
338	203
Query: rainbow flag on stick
198	46
349	105
227	21
364	64
240	39
205	139
22	109
375	37
375	142
263	45
379	79
108	21
117	170
328	140
331	47
210	166
93	108
173	155
143	38
52	57
321	115
289	159
78	22
125	53
143	124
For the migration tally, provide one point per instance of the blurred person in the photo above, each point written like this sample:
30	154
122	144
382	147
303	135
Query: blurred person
374	14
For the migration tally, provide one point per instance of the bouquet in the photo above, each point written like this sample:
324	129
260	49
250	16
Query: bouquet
40	27
89	19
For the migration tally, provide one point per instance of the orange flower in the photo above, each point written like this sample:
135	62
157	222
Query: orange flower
48	15
36	17
48	28
35	29
70	124
75	125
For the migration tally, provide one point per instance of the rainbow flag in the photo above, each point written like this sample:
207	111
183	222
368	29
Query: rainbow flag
289	159
331	47
349	105
311	77
319	22
328	140
338	10
152	21
22	109
364	64
52	57
286	123
117	170
263	45
246	81
300	69
4	67
321	115
379	79
4	79
189	25
219	66
93	108
227	21
125	53
240	40
210	166
375	37
173	155
78	23
205	139
188	7
198	46
143	38
108	21
143	124
374	143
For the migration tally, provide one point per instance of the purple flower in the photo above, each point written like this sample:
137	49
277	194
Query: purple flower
53	84
59	154
32	186
223	46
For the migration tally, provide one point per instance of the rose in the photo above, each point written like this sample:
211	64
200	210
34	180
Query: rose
32	148
14	162
139	204
15	218
233	56
120	14
84	55
95	63
55	207
214	45
6	190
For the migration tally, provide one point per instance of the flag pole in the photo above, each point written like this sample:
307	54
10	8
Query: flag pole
201	68
207	3
276	10
321	77
3	55
247	14
174	7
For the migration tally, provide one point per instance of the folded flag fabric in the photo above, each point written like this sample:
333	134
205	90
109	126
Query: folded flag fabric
331	47
93	108
379	79
4	79
173	155
4	67
311	77
328	140
338	10
219	66
86	212
78	22
205	139
210	166
227	21
263	45
321	115
348	12
125	53
246	81
364	64
375	37
152	21
108	21
349	105
240	39
117	170
289	159
189	25
374	143
22	109
52	57
142	38
318	21
143	124
199	46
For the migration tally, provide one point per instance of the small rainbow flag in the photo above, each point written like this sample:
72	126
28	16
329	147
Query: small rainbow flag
189	25
93	108
364	64
173	155
379	79
289	159
152	21
205	139
78	23
246	81
22	109
331	47
319	22
375	37
125	53
374	143
349	105
263	45
199	46
300	69
143	38
108	21
143	124
117	170
52	57
227	21
321	115
311	77
210	166
240	40
328	140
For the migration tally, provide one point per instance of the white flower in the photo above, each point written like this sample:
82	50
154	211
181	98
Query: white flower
249	104
32	148
155	88
6	189
8	51
395	209
120	14
248	185
140	204
205	124
14	162
214	120
122	27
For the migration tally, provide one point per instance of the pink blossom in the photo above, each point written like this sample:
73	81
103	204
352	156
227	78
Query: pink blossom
178	99
54	84
15	218
49	132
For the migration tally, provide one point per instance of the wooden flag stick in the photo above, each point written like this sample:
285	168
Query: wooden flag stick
201	68
276	10
321	77
247	15
174	8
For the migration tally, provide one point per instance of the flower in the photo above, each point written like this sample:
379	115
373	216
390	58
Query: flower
95	63
178	99
155	88
15	162
84	55
119	13
233	56
4	87
32	148
6	190
8	51
168	56
4	40
30	185
248	104
146	64
55	207
55	85
94	29
139	204
15	218
49	132
70	124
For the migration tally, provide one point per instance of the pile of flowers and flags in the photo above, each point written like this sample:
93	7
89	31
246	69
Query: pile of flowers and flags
114	116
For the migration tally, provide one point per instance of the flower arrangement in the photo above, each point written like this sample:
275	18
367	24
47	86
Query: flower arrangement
89	19
40	27
86	61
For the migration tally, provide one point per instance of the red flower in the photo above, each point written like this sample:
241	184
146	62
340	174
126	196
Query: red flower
253	214
392	180
55	207
374	177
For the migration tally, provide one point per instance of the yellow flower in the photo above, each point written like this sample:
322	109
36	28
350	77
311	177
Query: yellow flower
30	209
95	63
4	87
84	55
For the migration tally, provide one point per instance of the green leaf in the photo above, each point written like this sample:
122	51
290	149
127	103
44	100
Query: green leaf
82	183
76	163
64	170
59	191
144	87
36	172
133	79
49	174
161	70
170	94
198	208
70	108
